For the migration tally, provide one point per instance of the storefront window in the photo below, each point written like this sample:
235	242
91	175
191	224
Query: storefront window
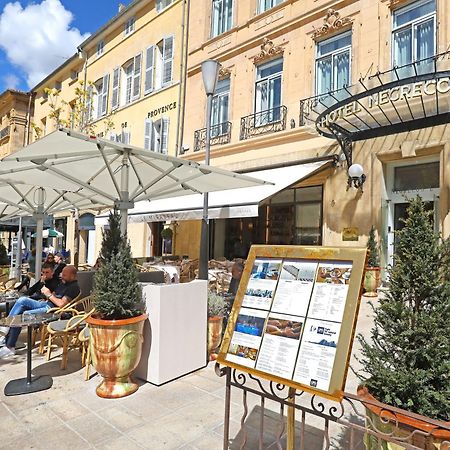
333	63
414	35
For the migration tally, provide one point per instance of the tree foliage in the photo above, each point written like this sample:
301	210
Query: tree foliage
407	360
374	254
3	255
117	294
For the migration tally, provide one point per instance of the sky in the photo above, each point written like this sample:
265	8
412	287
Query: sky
38	36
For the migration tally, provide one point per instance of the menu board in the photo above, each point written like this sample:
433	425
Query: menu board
294	316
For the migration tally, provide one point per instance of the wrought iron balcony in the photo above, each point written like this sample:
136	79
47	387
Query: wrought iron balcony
269	121
220	134
4	132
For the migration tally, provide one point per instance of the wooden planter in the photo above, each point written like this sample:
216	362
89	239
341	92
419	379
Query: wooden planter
372	279
400	426
215	325
116	347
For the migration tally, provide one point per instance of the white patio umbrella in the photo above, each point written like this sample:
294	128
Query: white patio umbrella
18	200
107	173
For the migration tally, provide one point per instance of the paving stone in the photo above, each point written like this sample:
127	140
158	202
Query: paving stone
120	443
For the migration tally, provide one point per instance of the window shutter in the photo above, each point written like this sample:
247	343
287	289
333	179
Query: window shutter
105	91
125	137
167	60
164	135
115	88
90	103
149	69
148	131
112	137
137	77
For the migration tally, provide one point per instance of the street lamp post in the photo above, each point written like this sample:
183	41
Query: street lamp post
210	73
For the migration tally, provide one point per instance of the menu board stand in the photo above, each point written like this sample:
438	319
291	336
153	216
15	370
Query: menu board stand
294	319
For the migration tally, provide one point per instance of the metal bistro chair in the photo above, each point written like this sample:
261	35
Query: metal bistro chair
84	337
8	284
68	331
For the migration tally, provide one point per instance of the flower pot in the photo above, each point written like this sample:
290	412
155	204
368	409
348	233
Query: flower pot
372	278
400	426
116	347
214	333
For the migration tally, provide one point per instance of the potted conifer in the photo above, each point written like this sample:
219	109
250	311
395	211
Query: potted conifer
406	362
372	272
217	309
117	325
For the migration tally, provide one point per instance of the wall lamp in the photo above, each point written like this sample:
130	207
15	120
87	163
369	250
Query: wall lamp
356	176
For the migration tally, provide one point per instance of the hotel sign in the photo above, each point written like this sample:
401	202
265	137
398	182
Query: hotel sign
394	96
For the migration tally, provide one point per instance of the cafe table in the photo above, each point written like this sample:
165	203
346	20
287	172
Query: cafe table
28	384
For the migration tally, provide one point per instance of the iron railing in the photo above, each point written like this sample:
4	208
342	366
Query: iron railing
220	134
269	121
315	423
4	132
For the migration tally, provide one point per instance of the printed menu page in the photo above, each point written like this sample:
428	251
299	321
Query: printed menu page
280	344
317	352
295	287
330	291
247	336
262	284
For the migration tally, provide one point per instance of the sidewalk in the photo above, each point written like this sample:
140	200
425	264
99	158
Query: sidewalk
185	414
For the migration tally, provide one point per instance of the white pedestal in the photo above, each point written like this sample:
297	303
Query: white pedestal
175	334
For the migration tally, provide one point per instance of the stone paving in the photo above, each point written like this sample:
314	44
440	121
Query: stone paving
184	414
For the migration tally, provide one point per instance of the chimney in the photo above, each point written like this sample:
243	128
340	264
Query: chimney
121	7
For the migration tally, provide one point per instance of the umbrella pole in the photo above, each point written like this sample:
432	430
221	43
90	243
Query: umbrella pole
19	251
39	216
124	204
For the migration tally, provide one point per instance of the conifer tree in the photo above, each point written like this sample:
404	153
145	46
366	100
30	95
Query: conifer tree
374	254
111	237
407	360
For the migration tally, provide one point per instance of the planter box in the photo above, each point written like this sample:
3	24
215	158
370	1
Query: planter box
175	333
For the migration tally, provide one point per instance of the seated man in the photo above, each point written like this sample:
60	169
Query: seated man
63	293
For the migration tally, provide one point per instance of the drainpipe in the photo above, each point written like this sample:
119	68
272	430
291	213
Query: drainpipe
83	55
183	76
26	136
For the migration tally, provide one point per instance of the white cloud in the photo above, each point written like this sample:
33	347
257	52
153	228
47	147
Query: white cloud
38	38
11	81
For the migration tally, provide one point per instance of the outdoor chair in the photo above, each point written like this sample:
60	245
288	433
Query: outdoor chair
67	330
8	284
69	309
86	359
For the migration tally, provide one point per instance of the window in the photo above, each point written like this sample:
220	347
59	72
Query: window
129	26
115	89
124	137
58	85
414	35
161	4
268	91
333	63
264	5
159	65
132	79
219	112
102	86
100	48
222	16
156	135
416	177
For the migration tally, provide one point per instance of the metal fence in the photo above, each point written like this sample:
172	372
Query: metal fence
266	415
263	122
220	134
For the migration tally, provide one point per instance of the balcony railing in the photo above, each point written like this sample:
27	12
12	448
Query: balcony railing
4	132
220	134
269	121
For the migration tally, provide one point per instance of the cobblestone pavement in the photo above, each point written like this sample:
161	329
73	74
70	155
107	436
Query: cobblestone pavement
184	414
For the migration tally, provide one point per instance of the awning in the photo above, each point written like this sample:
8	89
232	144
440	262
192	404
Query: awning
241	202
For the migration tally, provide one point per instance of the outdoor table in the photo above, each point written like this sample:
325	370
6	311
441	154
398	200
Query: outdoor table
7	298
29	384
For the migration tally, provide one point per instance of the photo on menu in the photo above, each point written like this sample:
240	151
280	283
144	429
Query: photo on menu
330	291
295	287
262	284
247	335
280	345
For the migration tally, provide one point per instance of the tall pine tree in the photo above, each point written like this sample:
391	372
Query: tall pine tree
407	359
